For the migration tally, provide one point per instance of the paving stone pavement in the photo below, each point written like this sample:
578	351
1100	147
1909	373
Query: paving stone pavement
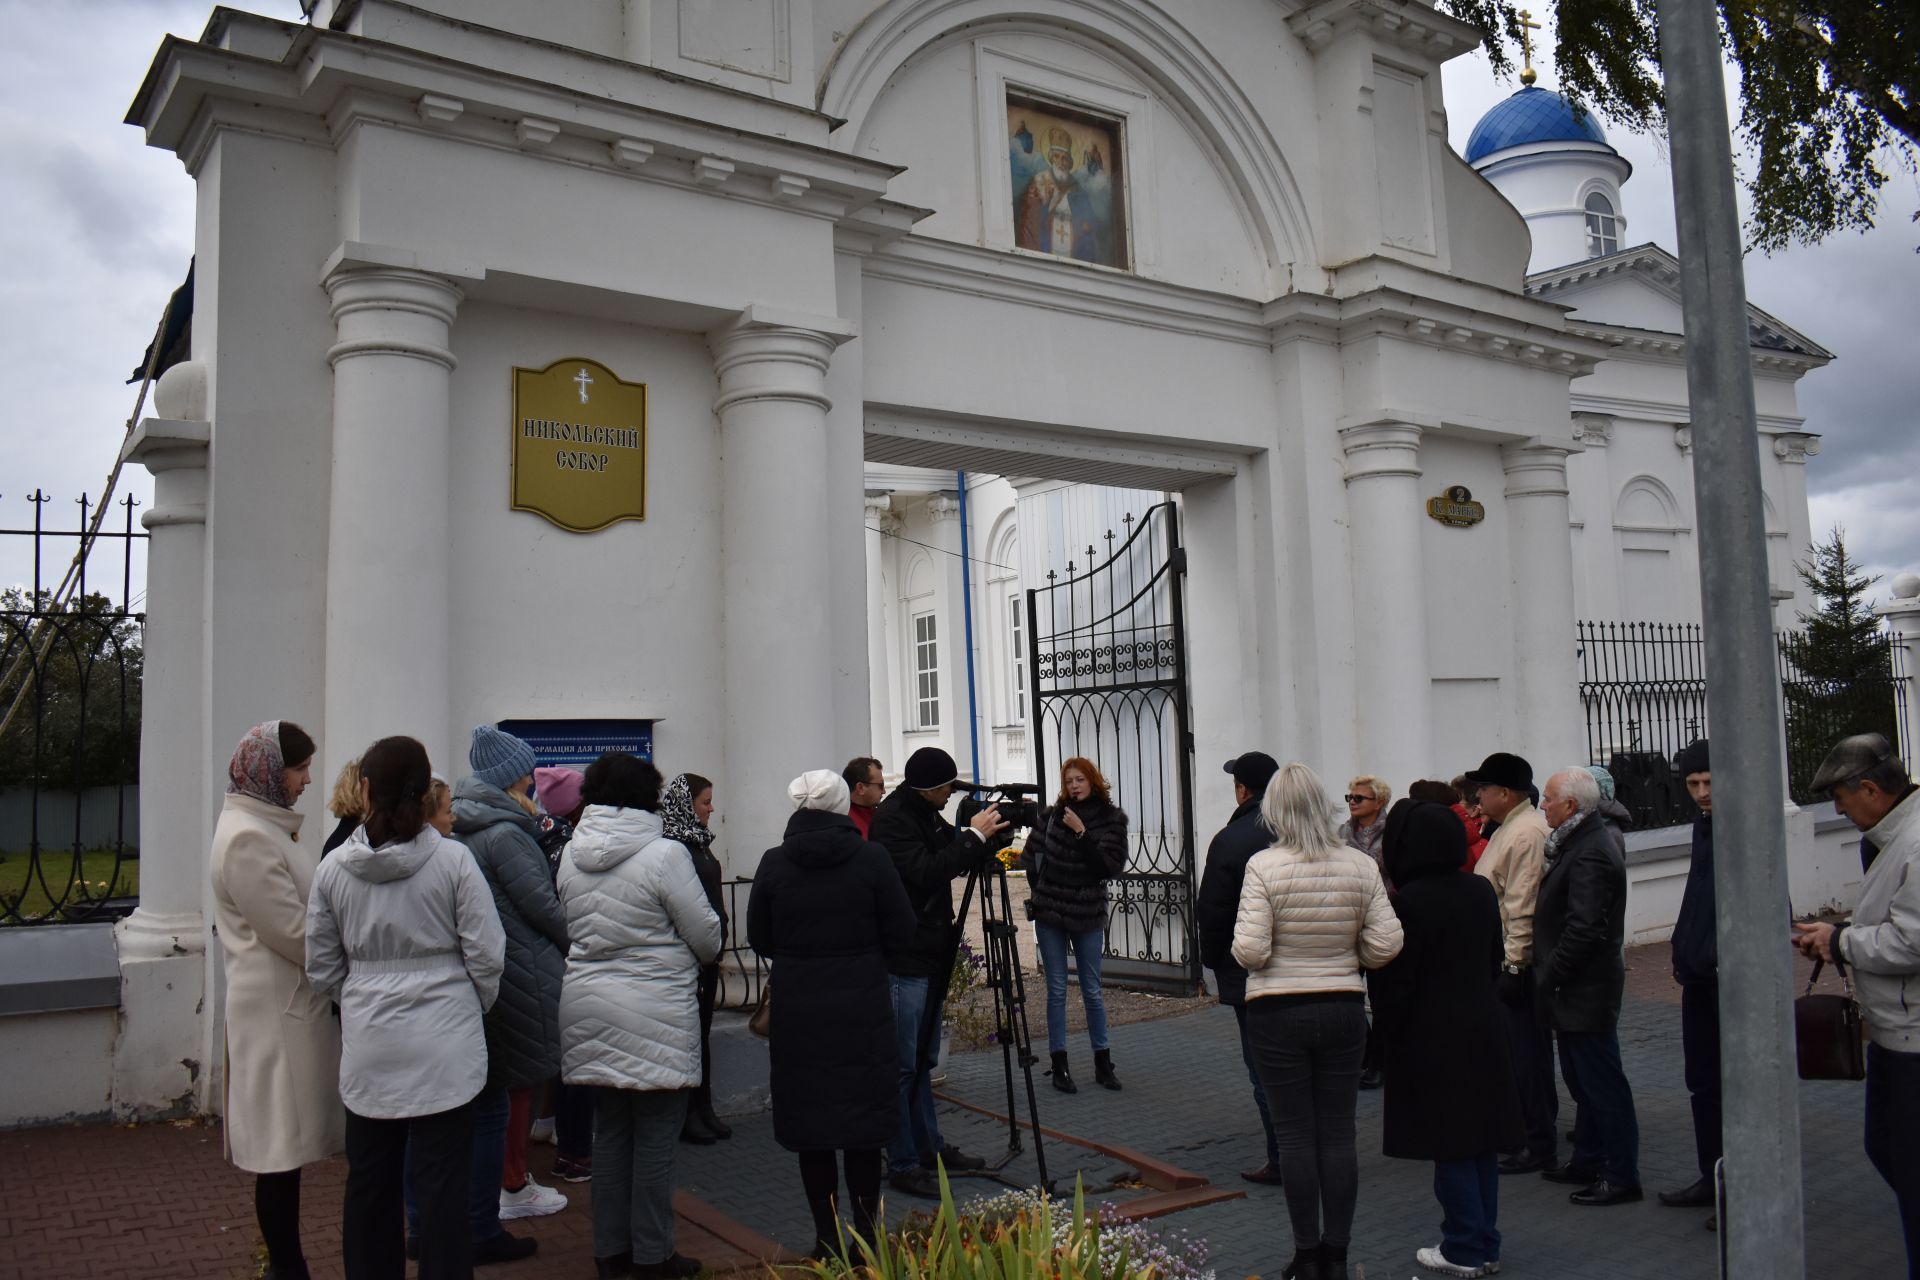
101	1201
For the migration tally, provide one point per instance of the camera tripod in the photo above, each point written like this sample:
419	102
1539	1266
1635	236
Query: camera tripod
1004	979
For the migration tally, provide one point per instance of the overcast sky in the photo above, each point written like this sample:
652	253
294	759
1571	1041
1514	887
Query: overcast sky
100	229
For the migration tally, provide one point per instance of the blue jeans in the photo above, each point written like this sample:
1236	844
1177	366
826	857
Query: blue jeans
1606	1133
917	1143
1469	1195
1259	1093
483	1186
1053	958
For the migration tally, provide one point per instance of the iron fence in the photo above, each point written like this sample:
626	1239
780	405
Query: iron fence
1644	689
743	972
70	673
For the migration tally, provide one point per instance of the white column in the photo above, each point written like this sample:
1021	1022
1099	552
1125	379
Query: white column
163	944
1793	449
880	519
1545	700
387	542
1902	613
1393	686
776	548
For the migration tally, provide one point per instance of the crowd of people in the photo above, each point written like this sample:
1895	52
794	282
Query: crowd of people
534	951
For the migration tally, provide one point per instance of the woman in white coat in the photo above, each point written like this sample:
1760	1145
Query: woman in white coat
640	928
283	1043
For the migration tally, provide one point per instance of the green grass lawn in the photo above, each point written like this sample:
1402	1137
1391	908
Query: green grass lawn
26	897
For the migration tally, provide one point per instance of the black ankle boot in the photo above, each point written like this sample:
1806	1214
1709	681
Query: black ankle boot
1333	1262
1103	1070
615	1268
704	1109
1061	1080
1305	1265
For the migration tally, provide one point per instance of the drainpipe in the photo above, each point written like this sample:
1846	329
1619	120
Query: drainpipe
966	614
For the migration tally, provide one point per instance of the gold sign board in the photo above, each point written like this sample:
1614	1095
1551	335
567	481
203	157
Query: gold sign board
579	445
1456	508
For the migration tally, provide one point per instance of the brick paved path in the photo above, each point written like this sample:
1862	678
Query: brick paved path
158	1201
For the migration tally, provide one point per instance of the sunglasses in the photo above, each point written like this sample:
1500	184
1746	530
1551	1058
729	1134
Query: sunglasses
1358	799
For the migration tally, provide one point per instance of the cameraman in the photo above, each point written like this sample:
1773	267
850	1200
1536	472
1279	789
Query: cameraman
930	854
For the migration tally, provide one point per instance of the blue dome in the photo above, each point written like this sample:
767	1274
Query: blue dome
1529	116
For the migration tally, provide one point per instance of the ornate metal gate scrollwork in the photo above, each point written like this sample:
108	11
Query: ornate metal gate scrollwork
1108	651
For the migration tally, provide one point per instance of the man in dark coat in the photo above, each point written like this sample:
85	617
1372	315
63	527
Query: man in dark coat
1696	967
930	855
1219	904
1579	928
1449	1080
827	911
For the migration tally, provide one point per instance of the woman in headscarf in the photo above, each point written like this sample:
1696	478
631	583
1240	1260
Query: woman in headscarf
1449	1089
685	807
827	908
283	1043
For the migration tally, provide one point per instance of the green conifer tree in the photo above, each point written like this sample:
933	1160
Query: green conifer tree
1837	675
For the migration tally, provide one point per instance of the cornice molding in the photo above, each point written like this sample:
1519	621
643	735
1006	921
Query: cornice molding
1402	24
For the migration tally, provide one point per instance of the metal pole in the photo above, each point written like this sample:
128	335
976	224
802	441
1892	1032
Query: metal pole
1762	1230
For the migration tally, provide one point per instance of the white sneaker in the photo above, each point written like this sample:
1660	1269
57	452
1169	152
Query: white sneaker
1433	1260
542	1130
533	1201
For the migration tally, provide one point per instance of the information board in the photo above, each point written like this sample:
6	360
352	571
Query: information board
578	743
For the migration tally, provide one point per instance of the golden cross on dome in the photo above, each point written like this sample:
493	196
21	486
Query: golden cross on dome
1527	27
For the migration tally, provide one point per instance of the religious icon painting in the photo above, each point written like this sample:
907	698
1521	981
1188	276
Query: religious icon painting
1069	184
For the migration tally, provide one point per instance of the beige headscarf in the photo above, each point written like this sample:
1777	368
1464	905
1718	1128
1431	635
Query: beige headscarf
819	789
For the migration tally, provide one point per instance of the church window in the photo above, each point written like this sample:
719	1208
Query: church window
926	671
1603	227
1017	657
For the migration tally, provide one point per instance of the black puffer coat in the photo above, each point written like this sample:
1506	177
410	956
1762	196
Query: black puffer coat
827	909
1067	872
1579	927
1450	1092
929	854
1218	906
523	1026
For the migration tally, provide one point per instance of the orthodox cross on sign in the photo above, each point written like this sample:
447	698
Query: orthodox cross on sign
584	381
1527	27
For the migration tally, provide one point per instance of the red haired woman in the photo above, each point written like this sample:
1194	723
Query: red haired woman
1080	843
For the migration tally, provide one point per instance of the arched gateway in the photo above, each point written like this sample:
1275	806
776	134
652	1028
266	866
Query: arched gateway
1218	250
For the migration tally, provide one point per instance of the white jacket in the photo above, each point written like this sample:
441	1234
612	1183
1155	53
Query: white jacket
640	928
1307	925
1882	941
407	939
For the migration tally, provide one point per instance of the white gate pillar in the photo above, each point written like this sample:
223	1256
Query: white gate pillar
1548	722
387	546
1902	613
162	945
776	556
1393	685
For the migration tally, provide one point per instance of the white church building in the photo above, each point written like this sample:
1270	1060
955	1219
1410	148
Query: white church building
607	367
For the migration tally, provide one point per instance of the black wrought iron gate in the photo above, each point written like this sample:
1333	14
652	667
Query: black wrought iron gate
1107	646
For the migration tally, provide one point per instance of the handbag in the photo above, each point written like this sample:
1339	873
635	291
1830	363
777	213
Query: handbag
760	1022
1827	1031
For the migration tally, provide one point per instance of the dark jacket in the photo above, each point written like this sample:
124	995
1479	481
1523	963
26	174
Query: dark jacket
1219	904
341	830
930	855
1696	938
523	1026
827	910
1067	873
713	879
1449	1085
1579	927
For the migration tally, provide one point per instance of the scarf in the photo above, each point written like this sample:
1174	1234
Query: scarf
676	817
1564	832
257	768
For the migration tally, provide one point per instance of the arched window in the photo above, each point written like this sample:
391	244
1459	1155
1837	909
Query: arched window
1603	227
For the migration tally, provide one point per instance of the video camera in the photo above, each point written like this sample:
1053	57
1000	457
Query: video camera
1014	800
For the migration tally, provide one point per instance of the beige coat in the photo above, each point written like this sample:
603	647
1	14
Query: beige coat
283	1042
1514	861
1307	925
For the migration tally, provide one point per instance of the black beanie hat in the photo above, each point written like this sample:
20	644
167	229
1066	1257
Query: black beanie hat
929	769
1693	758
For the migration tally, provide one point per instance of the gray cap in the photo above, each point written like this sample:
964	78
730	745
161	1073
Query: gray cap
1850	758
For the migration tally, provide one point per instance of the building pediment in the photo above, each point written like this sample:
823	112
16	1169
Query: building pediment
1631	300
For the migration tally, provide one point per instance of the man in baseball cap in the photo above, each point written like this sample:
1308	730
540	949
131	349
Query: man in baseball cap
1227	856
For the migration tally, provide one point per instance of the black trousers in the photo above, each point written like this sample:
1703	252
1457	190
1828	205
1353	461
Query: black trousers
1530	1049
373	1239
820	1179
1700	1050
1893	1136
708	990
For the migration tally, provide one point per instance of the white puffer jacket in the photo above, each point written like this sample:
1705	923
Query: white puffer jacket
640	928
1307	925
